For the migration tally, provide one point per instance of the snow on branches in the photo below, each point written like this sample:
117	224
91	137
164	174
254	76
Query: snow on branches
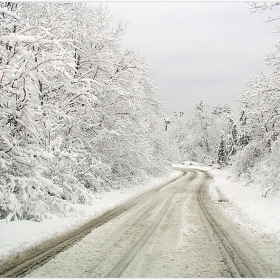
78	114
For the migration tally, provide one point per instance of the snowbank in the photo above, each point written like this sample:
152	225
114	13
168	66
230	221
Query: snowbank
246	206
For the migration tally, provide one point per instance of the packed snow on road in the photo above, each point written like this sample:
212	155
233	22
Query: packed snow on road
180	236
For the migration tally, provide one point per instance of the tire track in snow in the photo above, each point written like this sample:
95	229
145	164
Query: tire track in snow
241	259
90	258
124	246
126	260
134	235
33	258
231	256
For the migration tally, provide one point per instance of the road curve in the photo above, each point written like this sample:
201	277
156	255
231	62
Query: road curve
174	230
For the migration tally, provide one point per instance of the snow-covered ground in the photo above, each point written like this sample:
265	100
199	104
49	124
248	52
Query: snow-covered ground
19	235
245	206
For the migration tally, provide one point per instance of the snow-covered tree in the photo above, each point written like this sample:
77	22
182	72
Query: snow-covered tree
78	114
198	135
259	124
222	152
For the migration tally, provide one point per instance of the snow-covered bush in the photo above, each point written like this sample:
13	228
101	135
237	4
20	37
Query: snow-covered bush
266	172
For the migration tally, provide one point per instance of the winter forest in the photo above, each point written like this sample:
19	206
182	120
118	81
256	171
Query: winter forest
79	115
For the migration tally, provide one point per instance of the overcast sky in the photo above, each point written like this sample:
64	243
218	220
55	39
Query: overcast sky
197	50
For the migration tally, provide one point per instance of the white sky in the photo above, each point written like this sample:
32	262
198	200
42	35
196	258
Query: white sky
197	50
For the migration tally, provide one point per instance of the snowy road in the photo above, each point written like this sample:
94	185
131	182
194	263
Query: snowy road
172	231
